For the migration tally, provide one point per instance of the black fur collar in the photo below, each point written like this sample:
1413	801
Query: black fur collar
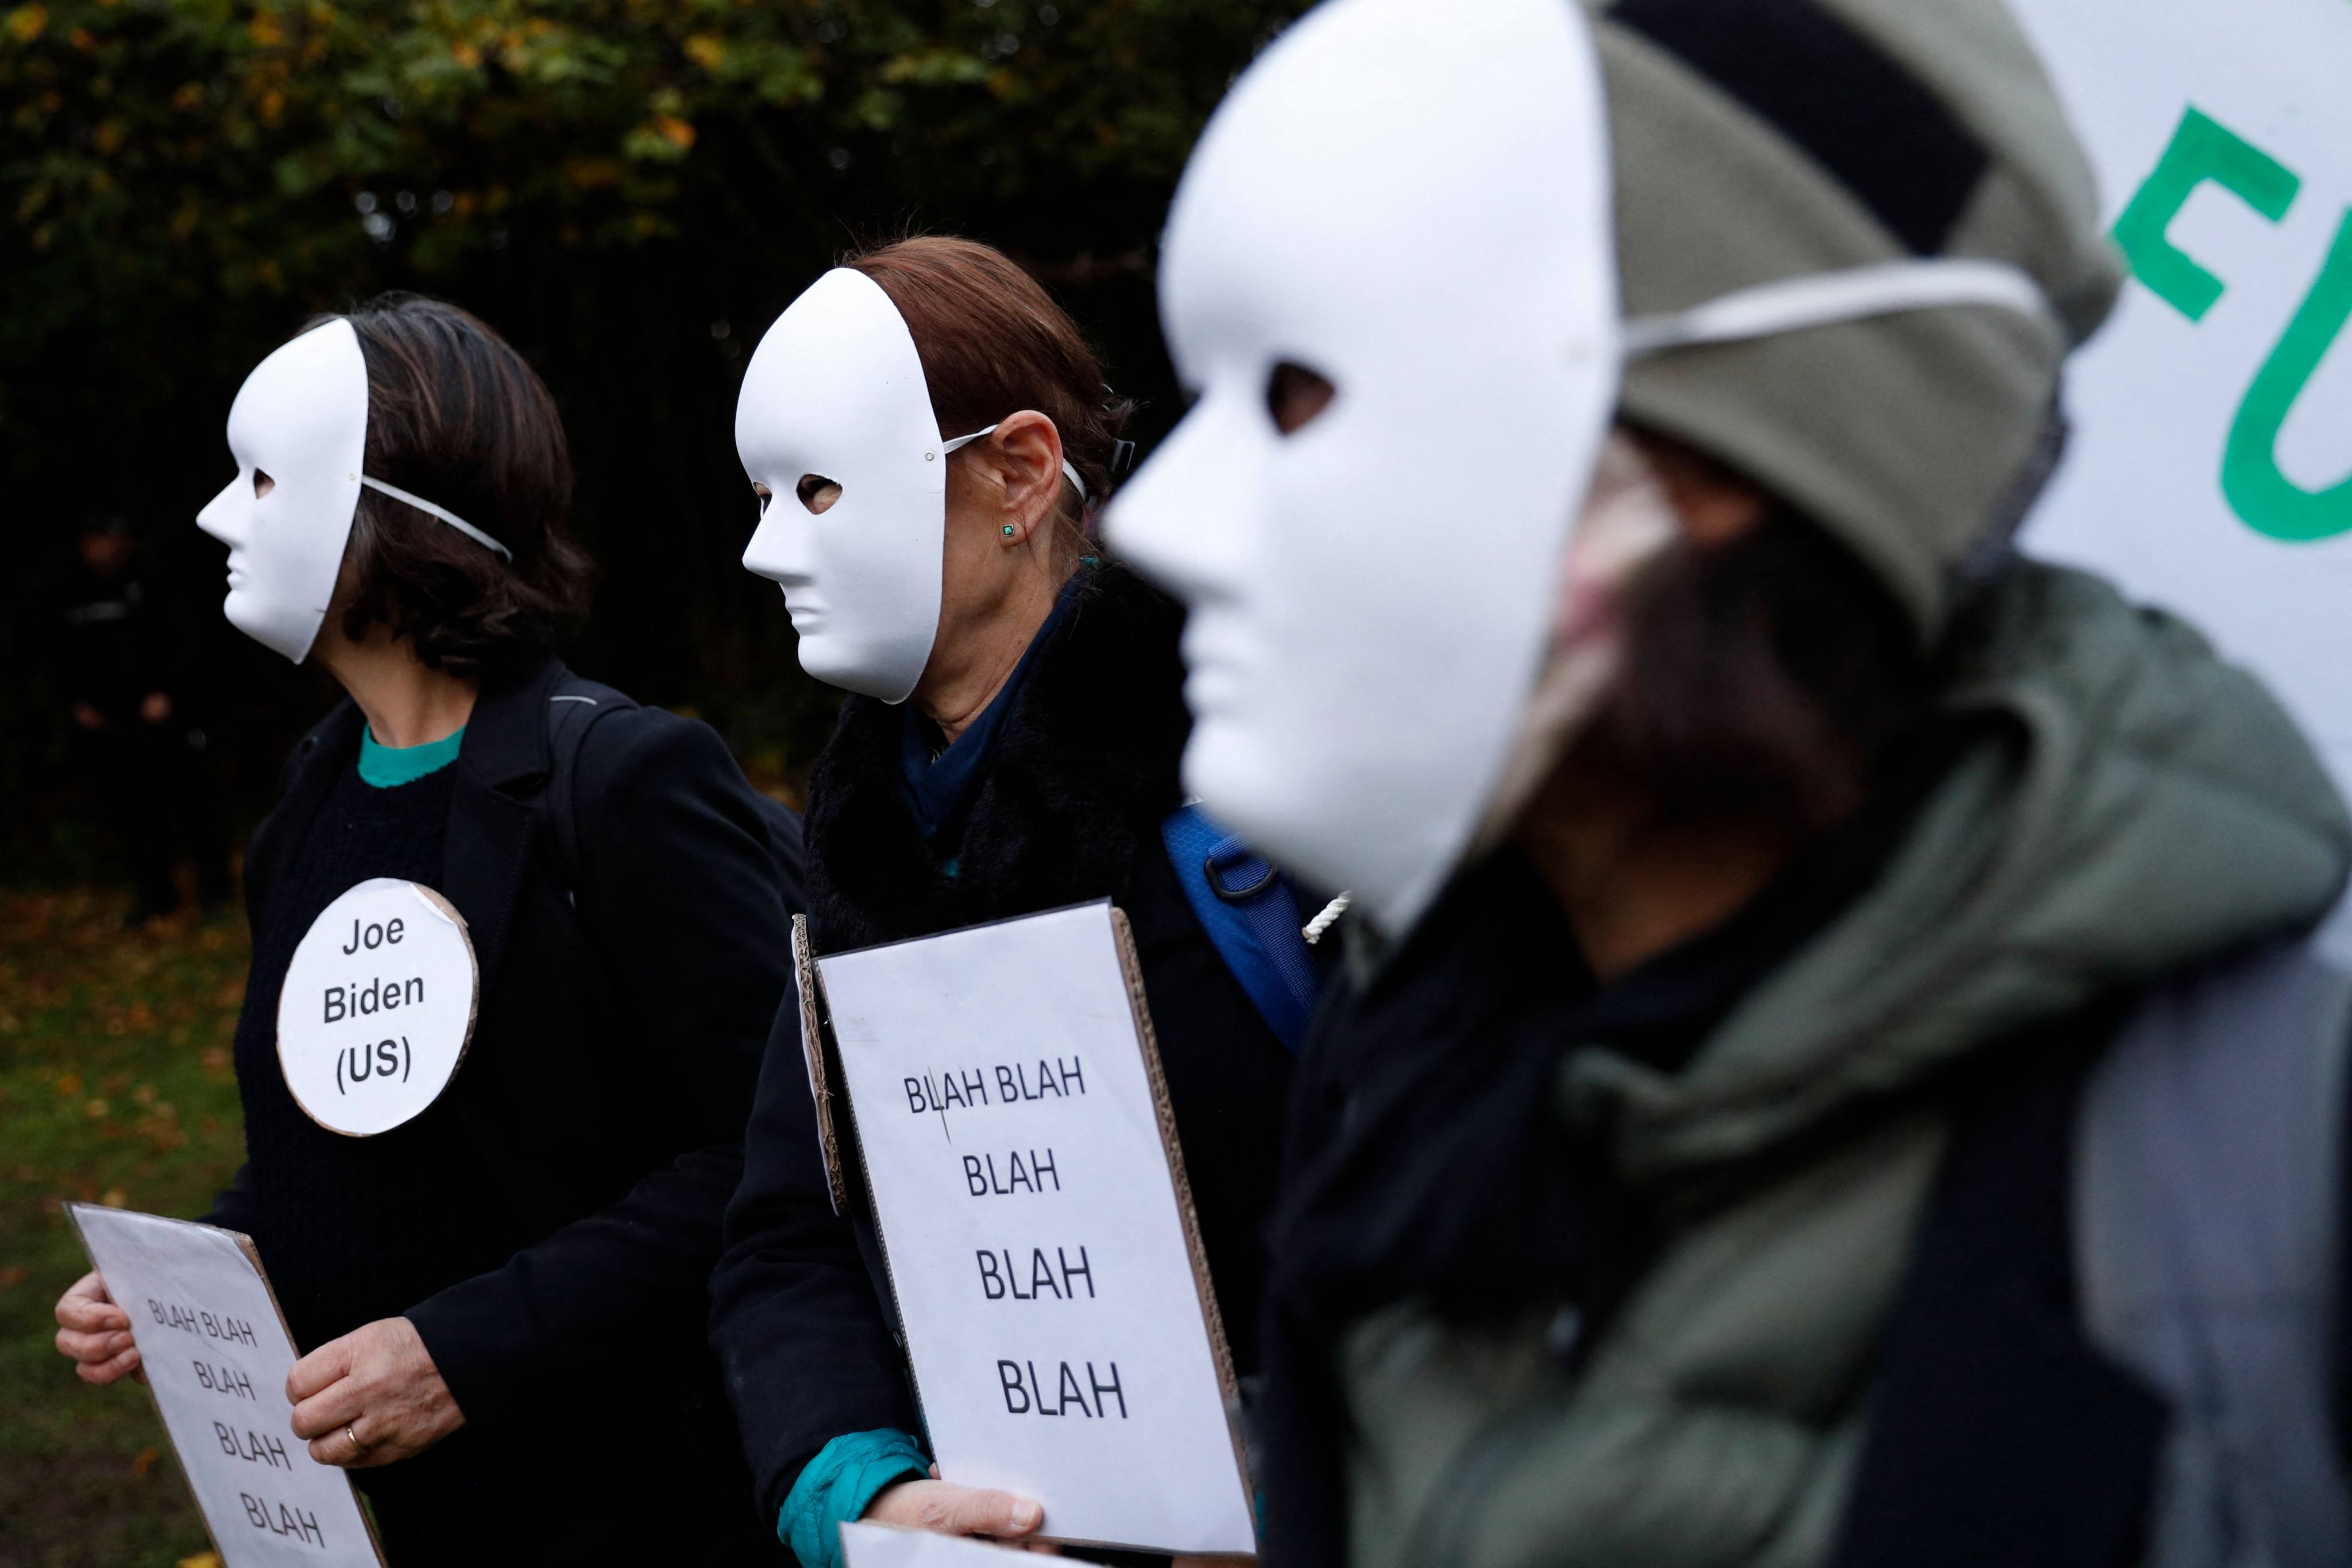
1087	769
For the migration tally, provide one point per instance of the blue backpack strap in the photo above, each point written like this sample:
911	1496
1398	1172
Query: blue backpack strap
1252	917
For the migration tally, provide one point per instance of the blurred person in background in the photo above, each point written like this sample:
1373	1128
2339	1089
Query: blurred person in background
130	666
928	434
503	1296
1835	1069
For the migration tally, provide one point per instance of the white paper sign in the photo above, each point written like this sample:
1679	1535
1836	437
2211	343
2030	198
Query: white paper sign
378	1007
216	1354
879	1546
2211	466
1015	1134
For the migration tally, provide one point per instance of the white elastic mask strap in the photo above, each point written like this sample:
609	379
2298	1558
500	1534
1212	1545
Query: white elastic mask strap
1826	299
960	442
451	518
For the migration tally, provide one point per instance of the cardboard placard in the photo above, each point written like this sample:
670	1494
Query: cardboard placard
1020	1153
378	1007
828	1136
215	1351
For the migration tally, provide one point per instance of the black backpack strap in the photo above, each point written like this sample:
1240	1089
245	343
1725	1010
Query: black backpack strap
573	708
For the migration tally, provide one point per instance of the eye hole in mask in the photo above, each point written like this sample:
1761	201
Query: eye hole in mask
1296	395
818	493
765	495
262	484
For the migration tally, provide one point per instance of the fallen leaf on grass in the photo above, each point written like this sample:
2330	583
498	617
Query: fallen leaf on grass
12	1276
144	1460
115	1197
201	1560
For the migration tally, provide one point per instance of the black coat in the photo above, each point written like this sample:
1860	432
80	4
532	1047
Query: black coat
622	1010
1069	811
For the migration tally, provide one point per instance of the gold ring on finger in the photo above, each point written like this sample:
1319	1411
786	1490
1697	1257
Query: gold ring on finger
358	1447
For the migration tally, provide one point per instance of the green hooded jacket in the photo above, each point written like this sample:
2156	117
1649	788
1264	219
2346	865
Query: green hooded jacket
2142	806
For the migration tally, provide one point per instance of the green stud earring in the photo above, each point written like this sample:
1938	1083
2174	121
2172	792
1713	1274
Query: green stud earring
1008	530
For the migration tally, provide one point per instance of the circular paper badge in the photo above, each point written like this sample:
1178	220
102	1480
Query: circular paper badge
378	1007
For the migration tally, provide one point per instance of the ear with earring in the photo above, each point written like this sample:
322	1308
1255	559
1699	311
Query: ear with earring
1009	530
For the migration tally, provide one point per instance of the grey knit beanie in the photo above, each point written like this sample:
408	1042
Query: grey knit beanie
1763	140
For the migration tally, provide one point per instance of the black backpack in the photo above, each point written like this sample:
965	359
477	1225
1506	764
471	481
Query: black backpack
573	709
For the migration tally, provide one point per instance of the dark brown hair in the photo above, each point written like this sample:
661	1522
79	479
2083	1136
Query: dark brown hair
455	417
993	342
1772	676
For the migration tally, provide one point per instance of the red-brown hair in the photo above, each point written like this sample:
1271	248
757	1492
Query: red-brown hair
992	342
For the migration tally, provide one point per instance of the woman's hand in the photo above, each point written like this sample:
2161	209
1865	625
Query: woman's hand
944	1507
373	1397
95	1333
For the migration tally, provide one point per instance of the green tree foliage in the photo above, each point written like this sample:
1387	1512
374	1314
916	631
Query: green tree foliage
630	189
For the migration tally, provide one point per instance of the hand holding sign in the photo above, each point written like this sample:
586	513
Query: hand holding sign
372	1397
943	1507
215	1356
95	1333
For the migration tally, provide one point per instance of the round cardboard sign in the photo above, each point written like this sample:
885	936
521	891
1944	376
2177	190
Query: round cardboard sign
378	1007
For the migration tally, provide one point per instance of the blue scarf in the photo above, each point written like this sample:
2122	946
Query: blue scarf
940	785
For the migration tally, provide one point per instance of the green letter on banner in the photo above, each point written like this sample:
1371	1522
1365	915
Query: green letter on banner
2267	499
2201	150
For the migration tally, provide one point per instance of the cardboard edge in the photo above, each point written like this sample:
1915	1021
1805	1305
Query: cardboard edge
828	1136
252	1255
1221	1351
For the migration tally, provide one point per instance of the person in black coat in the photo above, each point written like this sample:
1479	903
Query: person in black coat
1032	767
504	1296
129	663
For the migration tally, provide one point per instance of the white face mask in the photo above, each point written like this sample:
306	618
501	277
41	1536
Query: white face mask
301	420
835	391
1414	202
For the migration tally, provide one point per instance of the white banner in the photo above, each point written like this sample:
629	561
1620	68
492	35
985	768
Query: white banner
2211	466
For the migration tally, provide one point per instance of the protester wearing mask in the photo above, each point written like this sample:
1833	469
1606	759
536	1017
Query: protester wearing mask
928	432
504	1294
1833	1071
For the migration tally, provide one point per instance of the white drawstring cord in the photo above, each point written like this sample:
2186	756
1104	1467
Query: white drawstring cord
451	518
1830	298
1313	929
950	448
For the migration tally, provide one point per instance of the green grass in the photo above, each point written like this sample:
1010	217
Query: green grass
115	1087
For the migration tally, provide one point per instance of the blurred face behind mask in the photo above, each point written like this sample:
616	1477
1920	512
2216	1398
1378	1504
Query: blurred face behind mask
1409	204
1404	209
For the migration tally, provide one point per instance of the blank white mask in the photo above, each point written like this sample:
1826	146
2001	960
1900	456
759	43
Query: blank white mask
835	391
301	420
1412	201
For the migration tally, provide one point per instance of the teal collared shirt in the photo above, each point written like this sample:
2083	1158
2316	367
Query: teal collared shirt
389	767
